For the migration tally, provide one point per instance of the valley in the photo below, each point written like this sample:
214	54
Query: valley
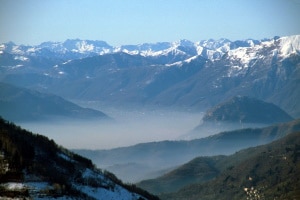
129	126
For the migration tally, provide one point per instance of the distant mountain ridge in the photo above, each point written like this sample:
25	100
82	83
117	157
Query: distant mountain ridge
20	104
191	75
210	49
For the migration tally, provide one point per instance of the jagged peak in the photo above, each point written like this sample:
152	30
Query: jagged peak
212	48
183	42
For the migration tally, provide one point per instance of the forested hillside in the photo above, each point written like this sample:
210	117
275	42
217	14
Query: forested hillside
33	166
270	171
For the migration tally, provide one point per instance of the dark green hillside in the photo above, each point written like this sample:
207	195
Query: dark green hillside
266	172
20	104
198	170
242	109
33	159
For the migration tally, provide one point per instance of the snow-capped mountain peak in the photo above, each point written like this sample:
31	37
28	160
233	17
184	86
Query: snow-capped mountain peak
289	45
183	42
183	49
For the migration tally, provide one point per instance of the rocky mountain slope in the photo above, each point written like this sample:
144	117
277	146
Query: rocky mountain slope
193	75
20	104
32	166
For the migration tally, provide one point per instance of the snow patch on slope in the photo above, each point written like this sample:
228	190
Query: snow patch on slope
109	189
243	55
83	47
118	193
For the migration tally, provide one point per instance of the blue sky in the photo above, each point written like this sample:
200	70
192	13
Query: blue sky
139	21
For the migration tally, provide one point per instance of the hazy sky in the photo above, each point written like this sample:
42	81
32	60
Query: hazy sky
139	21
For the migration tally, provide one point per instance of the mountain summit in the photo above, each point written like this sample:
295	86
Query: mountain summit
237	113
243	109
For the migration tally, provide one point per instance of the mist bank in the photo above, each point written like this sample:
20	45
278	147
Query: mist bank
129	126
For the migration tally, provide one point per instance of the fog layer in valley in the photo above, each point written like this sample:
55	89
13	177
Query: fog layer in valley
129	127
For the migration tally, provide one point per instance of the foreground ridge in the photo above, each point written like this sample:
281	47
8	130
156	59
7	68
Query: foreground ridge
32	166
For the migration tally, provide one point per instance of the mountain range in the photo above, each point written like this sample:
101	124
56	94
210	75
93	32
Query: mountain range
185	74
38	82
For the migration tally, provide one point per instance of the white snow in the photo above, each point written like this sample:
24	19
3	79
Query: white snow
83	47
32	50
17	66
240	54
199	49
118	193
275	52
135	52
117	49
214	49
104	51
64	156
22	58
16	50
89	173
289	45
13	186
179	63
234	71
162	52
112	191
66	62
190	59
